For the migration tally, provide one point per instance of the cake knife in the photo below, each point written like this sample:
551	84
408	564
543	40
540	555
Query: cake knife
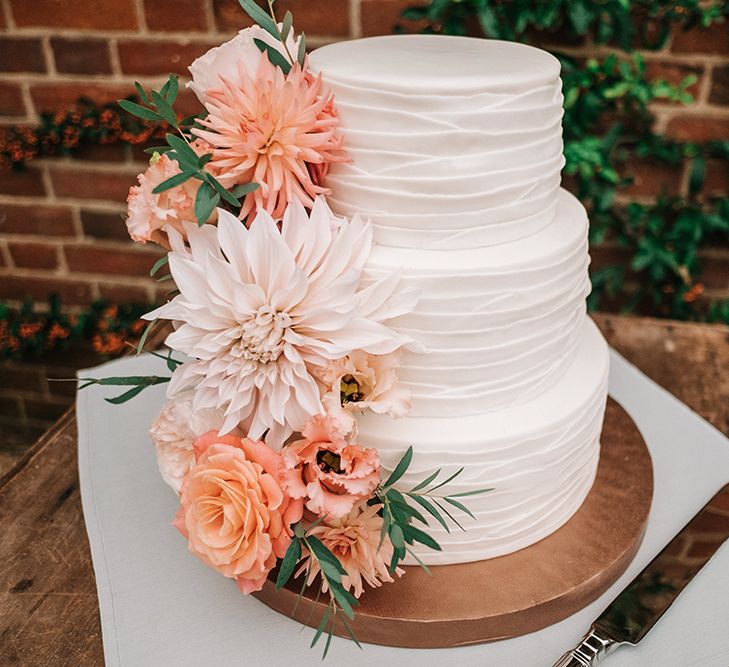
631	615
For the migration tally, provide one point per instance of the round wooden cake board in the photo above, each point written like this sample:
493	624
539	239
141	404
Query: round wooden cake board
512	595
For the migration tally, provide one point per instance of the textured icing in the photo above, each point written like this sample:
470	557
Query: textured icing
456	139
456	149
500	324
540	457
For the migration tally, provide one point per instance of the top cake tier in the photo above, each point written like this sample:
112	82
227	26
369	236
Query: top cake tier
455	142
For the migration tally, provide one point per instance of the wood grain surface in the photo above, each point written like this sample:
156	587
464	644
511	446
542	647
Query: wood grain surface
48	606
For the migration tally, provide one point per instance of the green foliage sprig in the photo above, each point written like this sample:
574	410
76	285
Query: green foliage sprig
160	108
608	125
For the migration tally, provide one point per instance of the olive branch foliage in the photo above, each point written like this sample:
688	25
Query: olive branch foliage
608	126
397	526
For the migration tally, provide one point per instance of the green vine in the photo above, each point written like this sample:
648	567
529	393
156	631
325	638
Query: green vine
608	126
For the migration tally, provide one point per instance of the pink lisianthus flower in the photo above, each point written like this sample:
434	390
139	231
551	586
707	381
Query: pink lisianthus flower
234	509
278	130
331	473
362	381
355	541
148	214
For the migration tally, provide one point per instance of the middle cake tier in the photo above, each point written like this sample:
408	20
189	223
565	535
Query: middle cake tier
499	324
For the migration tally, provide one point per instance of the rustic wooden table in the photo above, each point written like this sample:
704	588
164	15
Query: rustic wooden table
48	607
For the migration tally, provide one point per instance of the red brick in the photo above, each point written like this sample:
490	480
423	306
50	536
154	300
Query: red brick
714	40
55	96
715	271
23	377
91	14
87	184
324	17
40	287
608	254
124	294
81	56
379	17
122	259
36	220
11	100
102	152
26	182
21	54
697	128
719	93
29	255
104	225
717	178
650	178
674	74
10	406
177	16
152	57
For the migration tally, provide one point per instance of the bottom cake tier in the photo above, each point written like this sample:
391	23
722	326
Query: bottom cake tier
539	457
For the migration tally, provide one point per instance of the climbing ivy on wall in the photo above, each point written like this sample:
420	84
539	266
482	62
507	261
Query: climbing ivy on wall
608	125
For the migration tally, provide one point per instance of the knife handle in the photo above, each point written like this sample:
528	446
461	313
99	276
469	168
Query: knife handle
591	651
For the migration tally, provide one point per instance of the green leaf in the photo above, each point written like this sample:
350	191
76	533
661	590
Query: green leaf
260	17
463	494
460	506
145	335
221	190
164	109
205	202
350	632
428	507
142	93
396	536
157	149
241	190
288	564
329	641
301	55
288	21
173	182
139	111
274	55
426	481
445	481
419	562
448	514
321	627
184	154
400	468
159	264
127	395
323	554
343	598
169	90
412	533
697	174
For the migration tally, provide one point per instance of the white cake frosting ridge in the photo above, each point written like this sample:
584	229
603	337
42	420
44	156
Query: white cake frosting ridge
540	458
500	324
451	147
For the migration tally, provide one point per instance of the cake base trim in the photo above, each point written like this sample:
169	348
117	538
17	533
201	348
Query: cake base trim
512	595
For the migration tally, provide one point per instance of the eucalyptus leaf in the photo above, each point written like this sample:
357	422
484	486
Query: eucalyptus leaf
164	109
205	202
173	182
127	395
430	508
274	55
301	55
400	468
142	93
459	505
162	261
244	189
426	481
322	625
288	564
139	111
260	17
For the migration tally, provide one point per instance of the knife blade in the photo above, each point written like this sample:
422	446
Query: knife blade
631	615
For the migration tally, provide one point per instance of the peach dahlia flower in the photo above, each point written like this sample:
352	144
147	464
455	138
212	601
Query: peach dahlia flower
354	540
331	473
234	510
278	130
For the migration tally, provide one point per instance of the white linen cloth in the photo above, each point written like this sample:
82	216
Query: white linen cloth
161	606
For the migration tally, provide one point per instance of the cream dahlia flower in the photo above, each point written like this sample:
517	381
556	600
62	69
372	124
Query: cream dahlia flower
259	308
278	130
175	430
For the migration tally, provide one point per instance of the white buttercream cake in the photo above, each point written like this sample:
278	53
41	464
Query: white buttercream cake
456	148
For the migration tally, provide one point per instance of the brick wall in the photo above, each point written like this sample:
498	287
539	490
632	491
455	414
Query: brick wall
60	227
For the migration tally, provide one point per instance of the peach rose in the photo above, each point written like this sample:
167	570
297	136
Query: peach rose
234	510
331	473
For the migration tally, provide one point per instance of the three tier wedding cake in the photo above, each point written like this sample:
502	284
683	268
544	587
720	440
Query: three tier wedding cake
456	148
377	296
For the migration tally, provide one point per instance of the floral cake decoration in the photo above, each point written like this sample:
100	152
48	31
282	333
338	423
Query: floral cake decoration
284	339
